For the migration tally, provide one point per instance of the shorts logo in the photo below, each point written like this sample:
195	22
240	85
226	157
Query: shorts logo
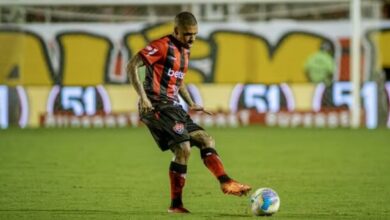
178	128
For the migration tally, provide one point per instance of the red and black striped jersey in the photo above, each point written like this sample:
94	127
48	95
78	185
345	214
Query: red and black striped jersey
166	61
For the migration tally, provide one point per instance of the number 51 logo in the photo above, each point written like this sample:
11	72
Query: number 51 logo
78	100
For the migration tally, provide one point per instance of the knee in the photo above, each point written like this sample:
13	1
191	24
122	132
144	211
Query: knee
207	141
202	139
210	142
182	152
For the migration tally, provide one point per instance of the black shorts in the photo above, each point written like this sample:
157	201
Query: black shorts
169	125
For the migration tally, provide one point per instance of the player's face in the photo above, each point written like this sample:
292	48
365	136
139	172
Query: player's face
186	34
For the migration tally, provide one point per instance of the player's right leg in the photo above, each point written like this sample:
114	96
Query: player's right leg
168	130
177	176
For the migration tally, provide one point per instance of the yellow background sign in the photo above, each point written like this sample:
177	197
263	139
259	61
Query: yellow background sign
87	58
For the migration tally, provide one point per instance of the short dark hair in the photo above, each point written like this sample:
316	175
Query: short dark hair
185	18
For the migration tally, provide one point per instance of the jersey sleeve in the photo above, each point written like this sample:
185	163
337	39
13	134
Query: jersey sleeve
152	53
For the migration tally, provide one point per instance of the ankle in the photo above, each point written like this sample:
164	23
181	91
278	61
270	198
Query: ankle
224	179
176	203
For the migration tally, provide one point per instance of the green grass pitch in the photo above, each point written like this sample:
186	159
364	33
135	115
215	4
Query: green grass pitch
121	174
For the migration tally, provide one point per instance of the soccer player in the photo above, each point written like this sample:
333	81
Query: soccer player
166	61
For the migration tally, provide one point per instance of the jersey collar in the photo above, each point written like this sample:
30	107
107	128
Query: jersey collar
176	42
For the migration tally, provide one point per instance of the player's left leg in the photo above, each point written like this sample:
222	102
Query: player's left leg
209	154
213	162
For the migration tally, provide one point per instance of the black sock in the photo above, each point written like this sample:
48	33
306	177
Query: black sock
224	179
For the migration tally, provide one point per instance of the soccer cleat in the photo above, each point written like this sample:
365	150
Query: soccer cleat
233	187
178	210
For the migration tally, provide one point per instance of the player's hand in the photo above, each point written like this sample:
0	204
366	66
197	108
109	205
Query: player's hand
197	107
145	106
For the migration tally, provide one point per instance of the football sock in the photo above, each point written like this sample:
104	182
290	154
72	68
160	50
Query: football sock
177	175
214	164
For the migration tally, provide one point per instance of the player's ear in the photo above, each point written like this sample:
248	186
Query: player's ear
176	30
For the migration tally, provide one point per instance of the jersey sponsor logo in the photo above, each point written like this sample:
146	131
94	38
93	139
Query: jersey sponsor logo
178	128
151	50
176	74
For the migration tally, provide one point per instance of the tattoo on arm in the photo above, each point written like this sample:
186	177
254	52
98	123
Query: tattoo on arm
132	72
185	95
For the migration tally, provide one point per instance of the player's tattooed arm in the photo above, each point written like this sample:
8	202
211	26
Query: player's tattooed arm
185	95
132	72
187	98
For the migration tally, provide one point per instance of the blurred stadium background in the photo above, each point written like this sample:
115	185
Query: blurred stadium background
62	62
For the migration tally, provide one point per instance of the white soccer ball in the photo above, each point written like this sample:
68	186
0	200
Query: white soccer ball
265	201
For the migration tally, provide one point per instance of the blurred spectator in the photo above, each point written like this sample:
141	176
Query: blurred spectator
320	66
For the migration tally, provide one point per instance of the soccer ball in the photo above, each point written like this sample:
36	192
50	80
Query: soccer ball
265	201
